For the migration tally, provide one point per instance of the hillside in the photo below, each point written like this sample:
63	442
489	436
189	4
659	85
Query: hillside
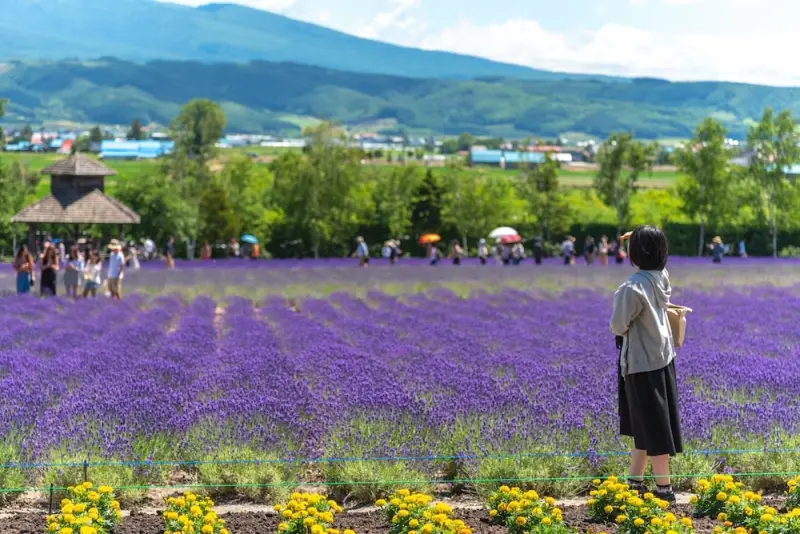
262	96
144	30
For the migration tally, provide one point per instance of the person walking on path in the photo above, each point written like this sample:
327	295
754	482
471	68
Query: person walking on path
483	251
589	250
602	250
456	252
647	384
49	268
742	249
116	267
133	256
25	267
433	254
169	253
538	250
717	249
92	274
362	252
568	250
394	253
73	271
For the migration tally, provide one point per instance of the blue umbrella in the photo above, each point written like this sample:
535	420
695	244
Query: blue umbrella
251	239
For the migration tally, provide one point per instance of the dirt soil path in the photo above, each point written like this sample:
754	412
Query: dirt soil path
259	519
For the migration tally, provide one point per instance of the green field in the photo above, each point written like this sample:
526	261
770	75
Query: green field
570	178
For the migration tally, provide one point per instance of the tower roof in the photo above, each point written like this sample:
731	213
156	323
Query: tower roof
78	165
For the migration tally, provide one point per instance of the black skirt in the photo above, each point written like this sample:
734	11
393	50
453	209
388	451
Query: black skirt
648	411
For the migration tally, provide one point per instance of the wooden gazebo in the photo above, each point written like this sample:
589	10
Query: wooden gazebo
76	197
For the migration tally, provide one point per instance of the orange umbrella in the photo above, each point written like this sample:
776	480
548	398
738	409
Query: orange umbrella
428	239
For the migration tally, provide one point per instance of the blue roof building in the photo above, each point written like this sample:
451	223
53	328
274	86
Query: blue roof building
135	149
504	158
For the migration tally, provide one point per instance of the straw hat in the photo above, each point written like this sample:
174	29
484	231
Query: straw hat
114	245
717	240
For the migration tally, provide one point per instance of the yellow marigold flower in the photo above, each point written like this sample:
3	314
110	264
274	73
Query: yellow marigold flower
608	509
549	500
591	501
492	513
207	529
505	489
639	522
596	482
309	521
656	522
593	493
87	485
521	520
722	517
766	518
693	499
380	503
403	513
722	496
546	521
669	517
65	530
671	532
620	519
316	529
52	527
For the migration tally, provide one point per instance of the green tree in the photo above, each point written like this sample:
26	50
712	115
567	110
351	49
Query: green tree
704	189
775	141
96	135
195	130
218	220
158	201
474	203
393	197
27	132
250	190
541	189
323	196
135	133
82	144
426	213
16	189
621	161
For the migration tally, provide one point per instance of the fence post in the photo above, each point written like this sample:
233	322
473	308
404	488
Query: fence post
50	507
86	470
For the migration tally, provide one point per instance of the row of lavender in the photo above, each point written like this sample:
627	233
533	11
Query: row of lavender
527	382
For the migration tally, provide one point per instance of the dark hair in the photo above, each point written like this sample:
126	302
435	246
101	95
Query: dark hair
648	248
50	256
23	253
74	252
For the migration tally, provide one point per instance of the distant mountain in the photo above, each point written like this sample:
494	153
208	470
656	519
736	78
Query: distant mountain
280	97
144	30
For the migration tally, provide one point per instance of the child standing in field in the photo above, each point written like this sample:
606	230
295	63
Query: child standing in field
648	391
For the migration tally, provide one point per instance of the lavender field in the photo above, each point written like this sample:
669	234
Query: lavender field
388	374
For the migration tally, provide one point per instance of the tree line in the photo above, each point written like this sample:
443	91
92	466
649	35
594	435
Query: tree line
314	203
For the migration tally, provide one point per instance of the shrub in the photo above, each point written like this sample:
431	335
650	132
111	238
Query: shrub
192	514
711	496
607	498
744	510
525	512
413	513
308	513
639	515
86	511
793	494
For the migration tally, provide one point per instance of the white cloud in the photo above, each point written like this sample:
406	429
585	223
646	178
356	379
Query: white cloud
399	17
267	5
624	50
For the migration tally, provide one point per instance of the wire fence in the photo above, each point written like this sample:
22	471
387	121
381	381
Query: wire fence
427	458
408	482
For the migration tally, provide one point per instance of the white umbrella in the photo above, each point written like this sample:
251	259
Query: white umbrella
503	231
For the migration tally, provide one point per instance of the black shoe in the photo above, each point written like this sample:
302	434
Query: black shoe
637	485
665	495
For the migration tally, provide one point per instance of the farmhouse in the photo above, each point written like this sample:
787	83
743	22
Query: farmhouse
135	149
505	159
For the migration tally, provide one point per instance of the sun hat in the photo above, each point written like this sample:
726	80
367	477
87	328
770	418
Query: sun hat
114	245
717	240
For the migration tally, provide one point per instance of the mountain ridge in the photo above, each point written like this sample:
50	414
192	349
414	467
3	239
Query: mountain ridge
147	30
258	96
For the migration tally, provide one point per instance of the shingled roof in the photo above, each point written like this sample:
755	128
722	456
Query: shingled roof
78	165
94	208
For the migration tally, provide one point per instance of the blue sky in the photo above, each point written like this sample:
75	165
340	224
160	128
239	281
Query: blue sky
737	40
